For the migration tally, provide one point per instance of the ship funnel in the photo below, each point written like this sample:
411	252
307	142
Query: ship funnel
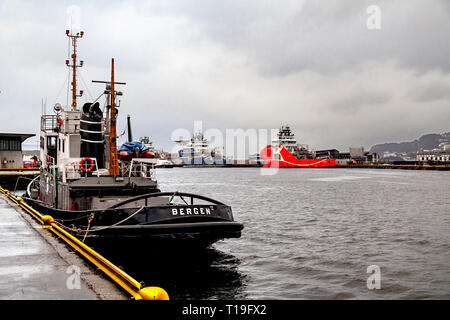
91	130
130	134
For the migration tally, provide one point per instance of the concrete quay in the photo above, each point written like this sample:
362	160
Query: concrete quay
36	266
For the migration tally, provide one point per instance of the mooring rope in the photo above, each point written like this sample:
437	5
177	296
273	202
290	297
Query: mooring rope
103	228
78	218
87	230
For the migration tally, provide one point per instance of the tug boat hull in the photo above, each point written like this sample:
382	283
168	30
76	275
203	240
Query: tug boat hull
125	224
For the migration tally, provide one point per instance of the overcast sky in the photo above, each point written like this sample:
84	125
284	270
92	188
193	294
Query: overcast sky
313	65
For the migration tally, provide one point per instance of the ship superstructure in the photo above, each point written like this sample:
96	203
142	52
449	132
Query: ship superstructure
286	138
196	151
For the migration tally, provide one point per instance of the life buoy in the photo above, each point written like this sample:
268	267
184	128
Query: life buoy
85	168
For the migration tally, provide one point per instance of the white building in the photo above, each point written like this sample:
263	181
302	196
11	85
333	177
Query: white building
424	155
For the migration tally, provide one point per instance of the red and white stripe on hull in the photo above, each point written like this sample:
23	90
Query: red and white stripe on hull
277	156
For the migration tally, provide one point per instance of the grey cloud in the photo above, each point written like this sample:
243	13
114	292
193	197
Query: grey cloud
328	36
352	104
432	92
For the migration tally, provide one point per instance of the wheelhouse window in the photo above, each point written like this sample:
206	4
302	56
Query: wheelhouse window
51	143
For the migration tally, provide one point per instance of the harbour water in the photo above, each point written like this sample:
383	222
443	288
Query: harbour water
312	234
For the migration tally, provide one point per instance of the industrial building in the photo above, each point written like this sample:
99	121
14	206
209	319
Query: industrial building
11	149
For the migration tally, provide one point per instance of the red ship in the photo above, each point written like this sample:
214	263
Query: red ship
286	153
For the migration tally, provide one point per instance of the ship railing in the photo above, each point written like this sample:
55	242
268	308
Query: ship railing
49	123
141	167
50	164
185	197
76	168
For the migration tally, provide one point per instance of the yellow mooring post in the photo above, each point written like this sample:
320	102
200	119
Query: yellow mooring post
125	281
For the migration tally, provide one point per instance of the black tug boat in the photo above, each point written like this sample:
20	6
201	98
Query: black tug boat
102	200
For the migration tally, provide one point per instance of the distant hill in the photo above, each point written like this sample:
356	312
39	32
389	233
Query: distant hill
426	142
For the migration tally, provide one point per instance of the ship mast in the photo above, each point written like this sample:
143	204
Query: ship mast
113	162
74	67
112	93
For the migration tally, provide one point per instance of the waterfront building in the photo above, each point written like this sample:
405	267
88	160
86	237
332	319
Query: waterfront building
11	149
425	155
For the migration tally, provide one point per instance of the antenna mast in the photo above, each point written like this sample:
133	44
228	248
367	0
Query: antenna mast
74	67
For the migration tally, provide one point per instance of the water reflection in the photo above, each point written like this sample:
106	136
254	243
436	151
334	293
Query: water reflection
202	274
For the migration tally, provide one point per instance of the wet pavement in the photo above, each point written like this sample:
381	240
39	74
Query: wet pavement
35	265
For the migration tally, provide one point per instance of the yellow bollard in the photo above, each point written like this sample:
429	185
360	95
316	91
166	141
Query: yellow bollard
153	293
47	220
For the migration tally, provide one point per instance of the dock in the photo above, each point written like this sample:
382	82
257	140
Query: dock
36	266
